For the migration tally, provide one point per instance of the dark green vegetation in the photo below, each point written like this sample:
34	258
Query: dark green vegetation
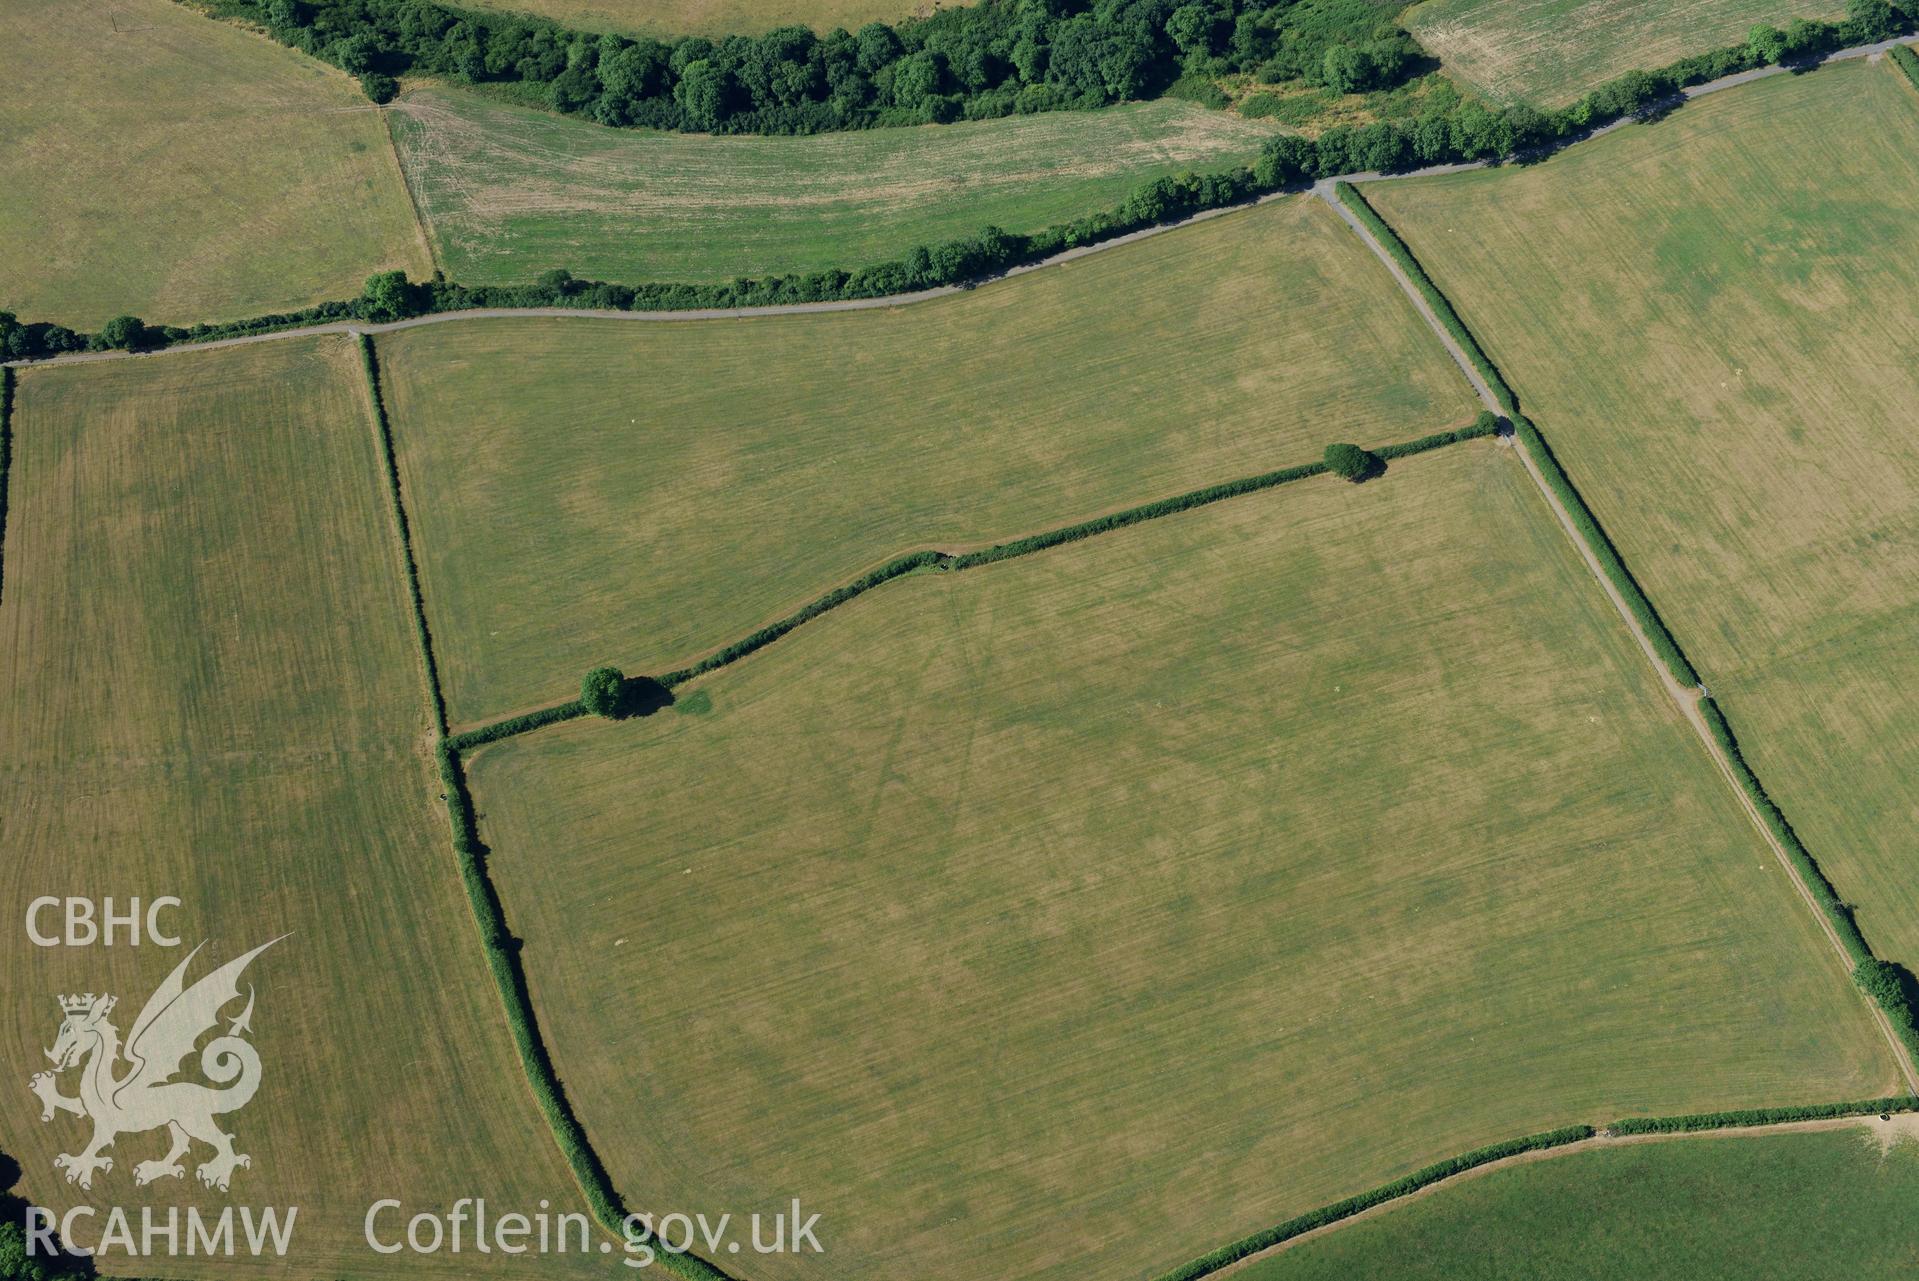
1908	62
991	59
1823	1205
6	465
1350	462
1442	307
370	361
600	691
1299	1225
1622	578
1702	1121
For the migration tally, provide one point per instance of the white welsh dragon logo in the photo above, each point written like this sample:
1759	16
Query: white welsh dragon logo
146	1097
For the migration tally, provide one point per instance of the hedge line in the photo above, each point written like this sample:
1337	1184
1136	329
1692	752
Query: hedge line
503	959
1441	305
1286	162
1886	985
1314	1219
1760	1116
6	465
916	562
1835	908
422	632
511	725
1615	569
1908	62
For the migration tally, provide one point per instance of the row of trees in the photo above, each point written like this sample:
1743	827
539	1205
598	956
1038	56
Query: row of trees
1463	130
993	58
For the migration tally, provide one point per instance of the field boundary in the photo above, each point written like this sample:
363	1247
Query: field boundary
932	561
423	633
1288	166
1561	1142
8	379
489	915
1889	1000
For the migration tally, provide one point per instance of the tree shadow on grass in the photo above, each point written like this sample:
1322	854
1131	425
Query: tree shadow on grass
641	696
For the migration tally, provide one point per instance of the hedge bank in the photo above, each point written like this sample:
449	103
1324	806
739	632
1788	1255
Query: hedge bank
6	465
1469	132
1608	556
1908	62
1441	305
370	360
1411	1183
1761	1116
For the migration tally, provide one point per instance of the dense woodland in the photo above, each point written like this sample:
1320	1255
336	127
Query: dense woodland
993	58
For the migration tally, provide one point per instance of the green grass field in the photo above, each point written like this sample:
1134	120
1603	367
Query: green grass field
590	491
1078	914
508	192
209	688
184	170
1714	321
1549	52
668	18
1800	1206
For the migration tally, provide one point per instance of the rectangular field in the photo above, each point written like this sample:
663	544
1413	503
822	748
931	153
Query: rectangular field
508	193
1078	914
181	169
209	688
1714	320
1549	52
643	493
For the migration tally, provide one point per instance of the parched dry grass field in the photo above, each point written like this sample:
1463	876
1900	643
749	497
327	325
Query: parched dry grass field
509	192
1714	319
209	688
588	491
1073	916
1549	52
666	19
1805	1206
184	170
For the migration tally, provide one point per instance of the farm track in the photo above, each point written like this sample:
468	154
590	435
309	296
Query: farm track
927	295
1685	696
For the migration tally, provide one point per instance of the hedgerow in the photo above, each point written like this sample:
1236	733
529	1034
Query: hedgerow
1603	550
1908	62
512	725
1329	1214
1286	162
1886	984
6	465
422	632
1761	1116
503	959
1442	307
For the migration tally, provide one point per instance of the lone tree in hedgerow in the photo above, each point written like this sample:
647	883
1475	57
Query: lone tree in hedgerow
1352	462
603	691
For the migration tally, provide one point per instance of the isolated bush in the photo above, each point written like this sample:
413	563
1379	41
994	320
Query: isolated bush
1352	462
602	692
